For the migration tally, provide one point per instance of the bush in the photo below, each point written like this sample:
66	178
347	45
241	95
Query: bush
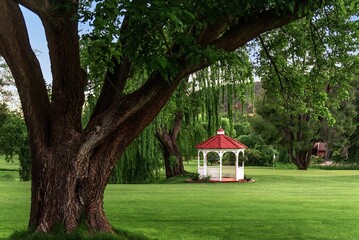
257	158
206	178
195	177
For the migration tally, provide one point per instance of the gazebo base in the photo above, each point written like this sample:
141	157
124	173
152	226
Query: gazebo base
224	180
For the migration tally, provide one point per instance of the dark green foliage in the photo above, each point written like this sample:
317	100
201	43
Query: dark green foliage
247	178
25	160
195	176
12	133
258	152
229	159
14	141
173	160
206	178
353	151
190	135
294	134
336	167
305	62
142	161
257	158
306	69
212	158
242	128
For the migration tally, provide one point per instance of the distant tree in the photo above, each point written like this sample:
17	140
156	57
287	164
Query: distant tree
14	141
306	70
13	134
295	134
338	136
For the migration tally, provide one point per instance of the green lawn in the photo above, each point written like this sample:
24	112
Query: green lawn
281	204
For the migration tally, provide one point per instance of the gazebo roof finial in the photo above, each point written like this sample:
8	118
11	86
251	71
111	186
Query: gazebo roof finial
220	131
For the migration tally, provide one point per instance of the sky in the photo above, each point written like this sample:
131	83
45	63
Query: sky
38	42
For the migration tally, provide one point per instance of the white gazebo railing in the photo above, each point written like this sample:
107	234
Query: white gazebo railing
227	171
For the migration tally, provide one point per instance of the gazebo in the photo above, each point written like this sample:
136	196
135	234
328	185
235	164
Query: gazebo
221	144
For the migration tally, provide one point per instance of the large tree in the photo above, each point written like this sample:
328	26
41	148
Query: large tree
166	41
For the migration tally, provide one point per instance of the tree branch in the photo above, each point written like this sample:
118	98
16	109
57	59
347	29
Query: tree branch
245	30
213	31
115	79
40	7
273	62
113	85
68	78
16	50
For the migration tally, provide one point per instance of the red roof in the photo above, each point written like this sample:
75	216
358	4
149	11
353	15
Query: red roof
221	141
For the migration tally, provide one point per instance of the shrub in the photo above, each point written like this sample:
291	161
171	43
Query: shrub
206	178
195	177
247	178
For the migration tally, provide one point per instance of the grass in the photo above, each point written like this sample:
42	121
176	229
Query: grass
80	233
281	204
9	171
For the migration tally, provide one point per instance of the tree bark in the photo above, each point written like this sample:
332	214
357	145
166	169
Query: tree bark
171	152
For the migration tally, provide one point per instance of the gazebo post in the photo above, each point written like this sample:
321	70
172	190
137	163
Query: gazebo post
205	163
220	165
243	161
236	153
198	158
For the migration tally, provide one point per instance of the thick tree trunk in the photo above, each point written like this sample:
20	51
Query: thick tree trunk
63	199
171	152
68	187
173	160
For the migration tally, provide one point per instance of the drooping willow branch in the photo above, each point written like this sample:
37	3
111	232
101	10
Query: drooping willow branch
273	62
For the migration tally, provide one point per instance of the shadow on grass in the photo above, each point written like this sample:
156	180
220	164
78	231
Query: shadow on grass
175	180
79	234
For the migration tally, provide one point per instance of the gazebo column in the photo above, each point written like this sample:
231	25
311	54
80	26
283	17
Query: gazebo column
237	153
205	163
243	161
199	158
242	170
220	153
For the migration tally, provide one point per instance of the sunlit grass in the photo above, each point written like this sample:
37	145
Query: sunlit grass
281	204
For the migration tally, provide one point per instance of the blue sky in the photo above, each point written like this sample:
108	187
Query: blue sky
38	42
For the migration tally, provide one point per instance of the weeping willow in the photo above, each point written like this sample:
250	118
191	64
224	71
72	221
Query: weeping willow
225	90
204	99
142	160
